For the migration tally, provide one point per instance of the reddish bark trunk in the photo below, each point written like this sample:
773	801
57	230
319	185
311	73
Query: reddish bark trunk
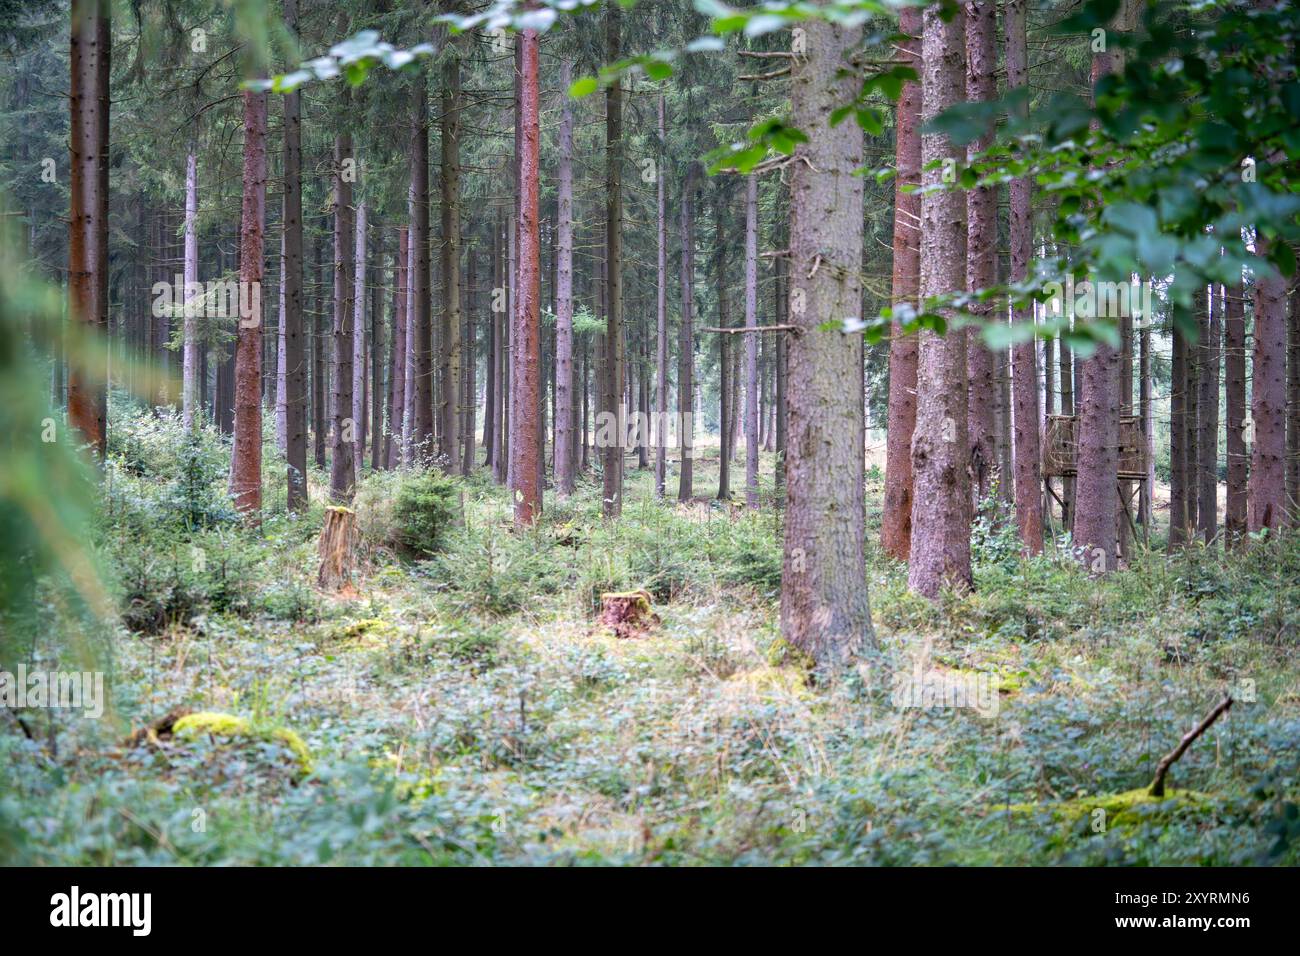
981	253
940	445
294	353
1267	485
87	227
1178	441
1208	424
246	457
1096	493
896	522
526	350
1025	416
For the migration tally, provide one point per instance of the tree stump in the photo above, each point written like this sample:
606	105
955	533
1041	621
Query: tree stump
627	613
338	543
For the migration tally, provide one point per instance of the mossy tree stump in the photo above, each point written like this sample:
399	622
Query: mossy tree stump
627	613
338	547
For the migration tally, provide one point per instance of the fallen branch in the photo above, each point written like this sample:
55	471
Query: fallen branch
1158	784
757	328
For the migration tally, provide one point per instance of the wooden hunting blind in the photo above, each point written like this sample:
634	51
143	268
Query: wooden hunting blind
1061	448
1061	460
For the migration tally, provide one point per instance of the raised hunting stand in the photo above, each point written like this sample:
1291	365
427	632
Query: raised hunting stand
1061	460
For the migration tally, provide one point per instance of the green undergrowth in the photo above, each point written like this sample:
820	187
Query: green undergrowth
462	706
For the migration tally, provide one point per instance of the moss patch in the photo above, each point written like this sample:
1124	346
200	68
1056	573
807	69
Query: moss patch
1121	809
228	725
782	653
368	632
769	683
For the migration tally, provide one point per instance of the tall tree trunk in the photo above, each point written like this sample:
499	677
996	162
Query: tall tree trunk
896	521
358	413
421	409
726	409
1025	417
194	301
1097	500
80	142
526	357
643	398
564	481
612	494
421	342
491	361
1208	409
470	363
1178	483
450	259
941	513
661	308
1267	486
281	369
320	370
781	309
1191	389
1125	376
686	342
294	359
408	377
724	413
501	321
508	284
1068	407
246	457
397	354
1234	368
751	341
375	399
1049	362
88	218
586	403
1146	507
824	606
342	463
981	251
1293	406
99	233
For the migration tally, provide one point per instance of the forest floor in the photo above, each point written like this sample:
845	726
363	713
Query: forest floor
467	709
